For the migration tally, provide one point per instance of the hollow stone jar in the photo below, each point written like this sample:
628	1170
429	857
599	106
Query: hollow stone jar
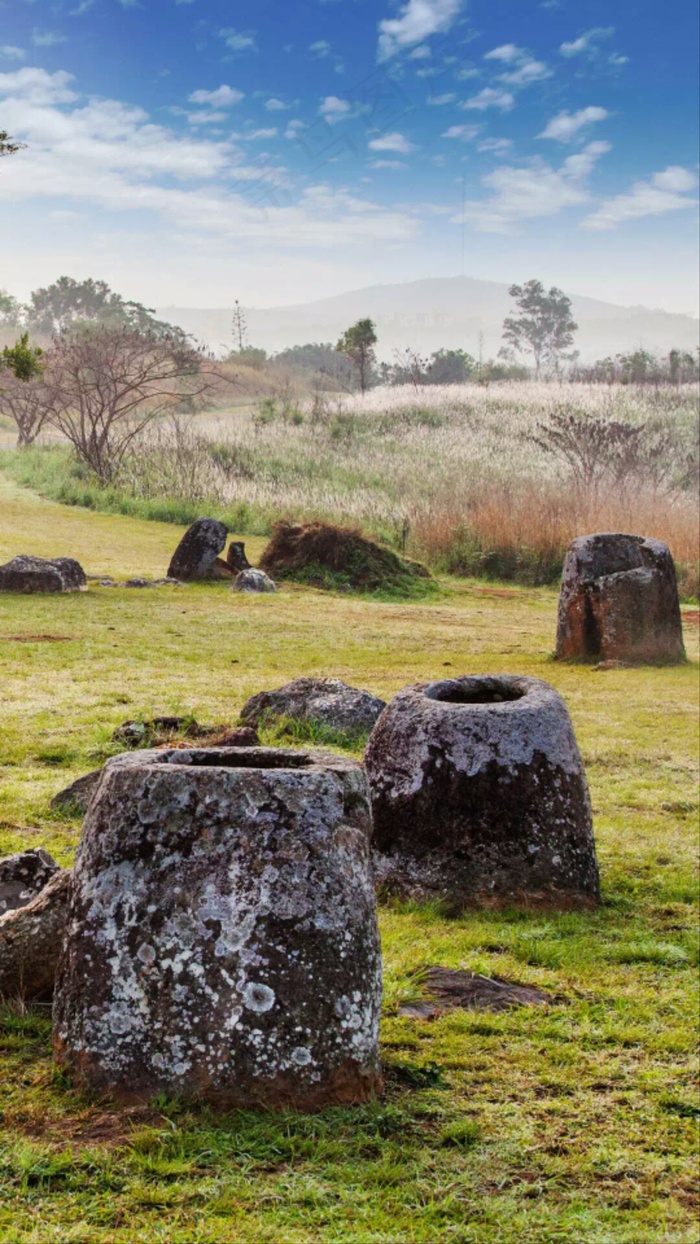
479	795
222	938
619	601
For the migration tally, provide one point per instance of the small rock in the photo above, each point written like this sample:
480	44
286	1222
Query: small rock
325	700
198	550
253	581
107	582
138	583
31	939
143	733
42	574
22	876
76	797
168	581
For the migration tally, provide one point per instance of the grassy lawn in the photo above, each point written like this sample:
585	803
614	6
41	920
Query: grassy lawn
572	1124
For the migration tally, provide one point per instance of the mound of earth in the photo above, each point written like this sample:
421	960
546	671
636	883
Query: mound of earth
337	557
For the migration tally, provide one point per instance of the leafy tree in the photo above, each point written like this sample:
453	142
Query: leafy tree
22	359
318	359
545	326
56	307
450	367
357	343
23	394
8	146
249	356
9	310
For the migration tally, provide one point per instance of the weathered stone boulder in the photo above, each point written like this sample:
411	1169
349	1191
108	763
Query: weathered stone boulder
198	550
479	795
42	574
222	941
619	601
236	556
23	875
76	797
30	941
328	701
253	581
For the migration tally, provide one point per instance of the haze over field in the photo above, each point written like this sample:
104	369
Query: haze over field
451	313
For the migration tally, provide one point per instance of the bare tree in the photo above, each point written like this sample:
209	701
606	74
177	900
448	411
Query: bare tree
31	403
104	385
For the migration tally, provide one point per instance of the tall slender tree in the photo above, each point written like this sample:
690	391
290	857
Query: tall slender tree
545	326
357	343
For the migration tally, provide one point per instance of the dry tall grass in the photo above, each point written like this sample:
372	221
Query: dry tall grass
452	474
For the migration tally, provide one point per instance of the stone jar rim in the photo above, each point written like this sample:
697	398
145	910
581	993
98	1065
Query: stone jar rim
487	693
231	759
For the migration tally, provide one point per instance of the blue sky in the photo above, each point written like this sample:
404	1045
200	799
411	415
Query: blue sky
197	151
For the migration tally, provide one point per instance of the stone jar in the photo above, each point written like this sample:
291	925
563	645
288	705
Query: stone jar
619	601
198	551
222	939
479	795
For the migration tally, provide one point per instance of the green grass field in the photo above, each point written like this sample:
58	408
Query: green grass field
571	1125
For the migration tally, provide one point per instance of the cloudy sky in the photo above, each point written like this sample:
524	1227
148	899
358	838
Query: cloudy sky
198	151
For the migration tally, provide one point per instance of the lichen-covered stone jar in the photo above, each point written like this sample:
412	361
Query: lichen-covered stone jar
222	939
479	795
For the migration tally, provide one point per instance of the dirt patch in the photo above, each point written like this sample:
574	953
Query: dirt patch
339	558
446	989
36	639
110	1129
690	617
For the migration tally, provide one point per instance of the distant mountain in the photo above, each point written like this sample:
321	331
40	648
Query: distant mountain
446	311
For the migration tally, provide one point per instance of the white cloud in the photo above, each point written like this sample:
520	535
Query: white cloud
393	164
525	69
320	48
276	105
392	142
464	132
206	118
37	86
47	38
334	109
667	191
417	20
422	52
464	74
566	125
110	155
222	97
490	98
438	100
528	72
293	129
586	43
270	132
507	53
237	40
532	191
498	146
10	52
